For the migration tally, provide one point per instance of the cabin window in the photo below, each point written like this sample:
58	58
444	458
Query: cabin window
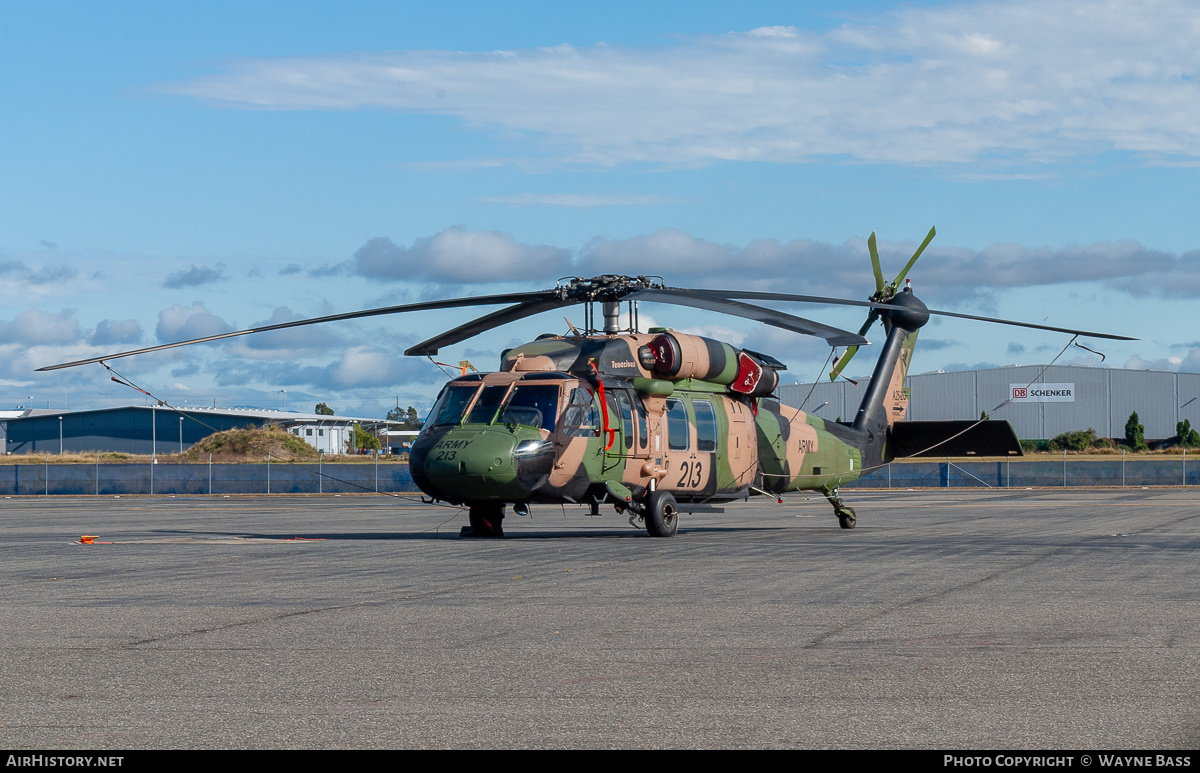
677	426
706	425
449	407
626	418
488	403
581	419
534	405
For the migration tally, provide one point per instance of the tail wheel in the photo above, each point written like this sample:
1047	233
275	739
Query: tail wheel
661	517
846	518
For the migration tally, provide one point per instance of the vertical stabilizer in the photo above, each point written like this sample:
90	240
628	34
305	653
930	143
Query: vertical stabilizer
886	402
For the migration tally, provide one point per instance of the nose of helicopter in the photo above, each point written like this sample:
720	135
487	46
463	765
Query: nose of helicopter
481	463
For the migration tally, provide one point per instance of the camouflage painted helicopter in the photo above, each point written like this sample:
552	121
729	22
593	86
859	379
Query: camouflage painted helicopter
650	421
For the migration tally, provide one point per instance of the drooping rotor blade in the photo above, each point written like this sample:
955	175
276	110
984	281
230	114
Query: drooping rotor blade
751	295
787	298
485	323
704	300
1014	323
483	300
879	283
900	277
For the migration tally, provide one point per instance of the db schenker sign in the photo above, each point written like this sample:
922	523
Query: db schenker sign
1042	393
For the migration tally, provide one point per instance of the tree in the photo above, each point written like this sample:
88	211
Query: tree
323	410
1188	437
409	419
1079	440
1135	434
364	441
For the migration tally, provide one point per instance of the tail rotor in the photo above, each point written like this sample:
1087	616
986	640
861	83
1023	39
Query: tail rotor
884	293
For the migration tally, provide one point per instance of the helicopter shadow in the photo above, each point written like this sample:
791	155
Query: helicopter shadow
567	533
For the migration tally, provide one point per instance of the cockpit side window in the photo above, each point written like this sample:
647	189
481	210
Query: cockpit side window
533	405
582	417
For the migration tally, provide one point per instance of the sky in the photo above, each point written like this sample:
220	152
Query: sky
172	171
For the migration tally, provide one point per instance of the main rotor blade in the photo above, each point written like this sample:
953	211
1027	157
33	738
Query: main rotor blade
483	300
699	300
787	298
751	295
1014	323
900	277
879	284
485	323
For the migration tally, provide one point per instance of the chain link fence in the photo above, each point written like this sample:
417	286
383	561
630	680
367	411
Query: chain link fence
278	478
391	477
1040	473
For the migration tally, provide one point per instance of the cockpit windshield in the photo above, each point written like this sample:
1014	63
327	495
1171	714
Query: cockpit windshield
484	410
532	405
450	404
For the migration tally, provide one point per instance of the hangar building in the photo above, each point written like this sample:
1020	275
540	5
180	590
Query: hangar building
1065	398
139	429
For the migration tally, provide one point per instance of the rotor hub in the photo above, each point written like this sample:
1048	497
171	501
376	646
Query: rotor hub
915	313
606	287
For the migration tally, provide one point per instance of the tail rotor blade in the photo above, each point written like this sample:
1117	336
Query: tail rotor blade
842	362
879	283
848	355
913	259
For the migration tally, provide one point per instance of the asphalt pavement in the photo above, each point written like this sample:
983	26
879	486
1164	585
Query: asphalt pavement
949	619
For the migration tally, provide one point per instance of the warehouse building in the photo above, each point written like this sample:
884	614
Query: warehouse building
155	430
1063	398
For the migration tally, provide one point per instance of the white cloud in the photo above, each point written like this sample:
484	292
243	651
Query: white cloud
1164	363
32	327
180	323
1003	82
289	343
667	252
194	277
948	274
459	255
358	367
116	331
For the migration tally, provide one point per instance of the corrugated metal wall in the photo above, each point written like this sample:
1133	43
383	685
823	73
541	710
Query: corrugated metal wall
1104	398
133	430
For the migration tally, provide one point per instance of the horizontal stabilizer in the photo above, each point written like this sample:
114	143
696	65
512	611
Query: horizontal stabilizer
953	438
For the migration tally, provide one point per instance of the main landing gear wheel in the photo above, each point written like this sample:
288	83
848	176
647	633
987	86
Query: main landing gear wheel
486	521
846	518
661	517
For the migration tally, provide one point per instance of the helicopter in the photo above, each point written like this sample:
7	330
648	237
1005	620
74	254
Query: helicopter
658	421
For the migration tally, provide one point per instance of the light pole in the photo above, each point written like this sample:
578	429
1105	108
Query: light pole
181	434
60	436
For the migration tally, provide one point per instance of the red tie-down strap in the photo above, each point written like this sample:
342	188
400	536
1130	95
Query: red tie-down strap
612	433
